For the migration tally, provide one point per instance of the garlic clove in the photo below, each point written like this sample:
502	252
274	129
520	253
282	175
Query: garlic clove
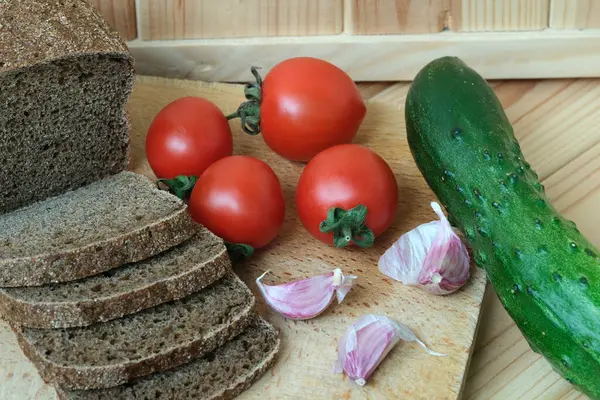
306	298
431	256
447	265
404	259
367	342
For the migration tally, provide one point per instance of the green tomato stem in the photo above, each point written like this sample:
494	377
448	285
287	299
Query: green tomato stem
249	111
239	251
348	226
181	186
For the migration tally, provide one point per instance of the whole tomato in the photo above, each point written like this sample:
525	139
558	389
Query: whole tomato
239	198
347	194
187	136
304	106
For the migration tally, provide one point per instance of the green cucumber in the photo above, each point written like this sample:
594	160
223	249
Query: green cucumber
544	271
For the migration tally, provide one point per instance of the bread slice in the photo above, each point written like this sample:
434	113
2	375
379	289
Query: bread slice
222	374
120	219
65	77
171	275
163	337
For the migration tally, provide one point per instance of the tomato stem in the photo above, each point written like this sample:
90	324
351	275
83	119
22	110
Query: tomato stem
348	226
181	186
239	251
249	111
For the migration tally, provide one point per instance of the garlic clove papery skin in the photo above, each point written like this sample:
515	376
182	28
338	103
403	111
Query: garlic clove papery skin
367	342
447	265
364	345
404	259
306	298
431	256
342	284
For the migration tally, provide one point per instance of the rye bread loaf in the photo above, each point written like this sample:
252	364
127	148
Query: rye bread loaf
120	219
222	374
173	274
65	77
156	339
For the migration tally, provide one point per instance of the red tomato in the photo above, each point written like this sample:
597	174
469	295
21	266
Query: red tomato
346	176
186	137
239	198
308	105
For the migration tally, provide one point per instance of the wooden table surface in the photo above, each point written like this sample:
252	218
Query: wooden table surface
557	123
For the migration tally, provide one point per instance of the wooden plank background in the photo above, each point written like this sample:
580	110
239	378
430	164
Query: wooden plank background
368	17
370	39
498	55
120	14
575	14
201	19
499	15
193	19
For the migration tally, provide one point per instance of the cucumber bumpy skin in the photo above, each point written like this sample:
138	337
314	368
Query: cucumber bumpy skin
546	274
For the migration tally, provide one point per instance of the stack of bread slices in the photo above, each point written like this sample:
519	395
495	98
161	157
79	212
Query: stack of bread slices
113	291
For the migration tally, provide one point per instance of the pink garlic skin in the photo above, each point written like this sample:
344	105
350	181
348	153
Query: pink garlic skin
447	266
364	345
404	259
431	256
306	298
367	342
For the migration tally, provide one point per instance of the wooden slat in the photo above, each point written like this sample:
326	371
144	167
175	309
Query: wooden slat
397	16
505	368
372	89
574	14
189	19
499	15
542	132
544	54
120	14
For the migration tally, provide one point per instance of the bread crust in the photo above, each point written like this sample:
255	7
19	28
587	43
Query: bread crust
77	377
41	31
100	256
244	382
51	55
236	387
55	314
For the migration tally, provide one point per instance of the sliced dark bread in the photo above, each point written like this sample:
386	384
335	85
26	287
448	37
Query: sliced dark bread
120	219
173	274
65	77
223	374
159	338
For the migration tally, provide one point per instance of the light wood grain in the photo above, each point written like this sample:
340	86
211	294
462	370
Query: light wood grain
546	118
503	366
303	370
189	19
546	54
120	14
574	14
19	380
313	342
499	15
370	17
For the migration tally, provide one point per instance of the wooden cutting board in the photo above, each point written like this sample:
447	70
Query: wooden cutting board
447	324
